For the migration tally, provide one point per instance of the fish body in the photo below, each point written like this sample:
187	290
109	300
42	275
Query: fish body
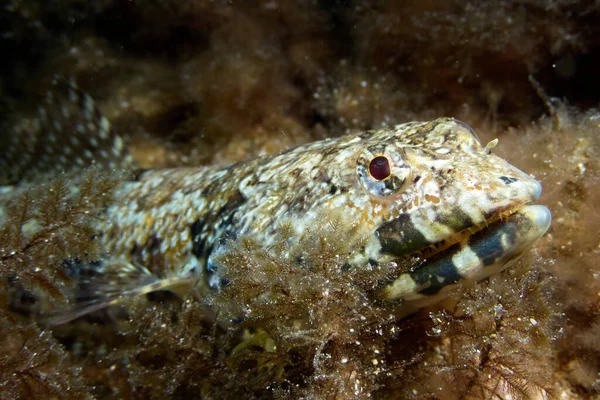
425	195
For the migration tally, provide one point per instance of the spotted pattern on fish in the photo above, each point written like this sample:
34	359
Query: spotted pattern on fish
441	189
426	195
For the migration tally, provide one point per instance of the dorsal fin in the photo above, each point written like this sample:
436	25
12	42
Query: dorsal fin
69	134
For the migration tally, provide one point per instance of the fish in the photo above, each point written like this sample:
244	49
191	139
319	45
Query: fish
426	195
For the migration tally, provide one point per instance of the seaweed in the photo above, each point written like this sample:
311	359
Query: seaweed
500	339
42	227
35	365
315	315
291	320
46	225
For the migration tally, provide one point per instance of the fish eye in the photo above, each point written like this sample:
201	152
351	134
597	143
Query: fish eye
379	168
382	170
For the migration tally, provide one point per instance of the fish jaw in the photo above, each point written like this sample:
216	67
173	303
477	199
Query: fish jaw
482	254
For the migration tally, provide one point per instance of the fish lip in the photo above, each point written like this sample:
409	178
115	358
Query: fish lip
438	248
480	255
494	246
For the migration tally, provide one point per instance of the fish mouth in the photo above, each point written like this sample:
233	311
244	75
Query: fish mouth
471	254
464	235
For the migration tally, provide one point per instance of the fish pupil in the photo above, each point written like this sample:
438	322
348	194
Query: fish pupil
379	168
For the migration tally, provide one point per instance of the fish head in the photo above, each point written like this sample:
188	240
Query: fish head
441	198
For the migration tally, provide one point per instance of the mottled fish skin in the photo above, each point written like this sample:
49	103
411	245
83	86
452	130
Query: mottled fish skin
441	181
425	195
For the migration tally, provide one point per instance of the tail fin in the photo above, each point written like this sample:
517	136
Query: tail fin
69	134
108	283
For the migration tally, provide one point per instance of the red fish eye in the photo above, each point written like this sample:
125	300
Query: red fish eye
379	168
